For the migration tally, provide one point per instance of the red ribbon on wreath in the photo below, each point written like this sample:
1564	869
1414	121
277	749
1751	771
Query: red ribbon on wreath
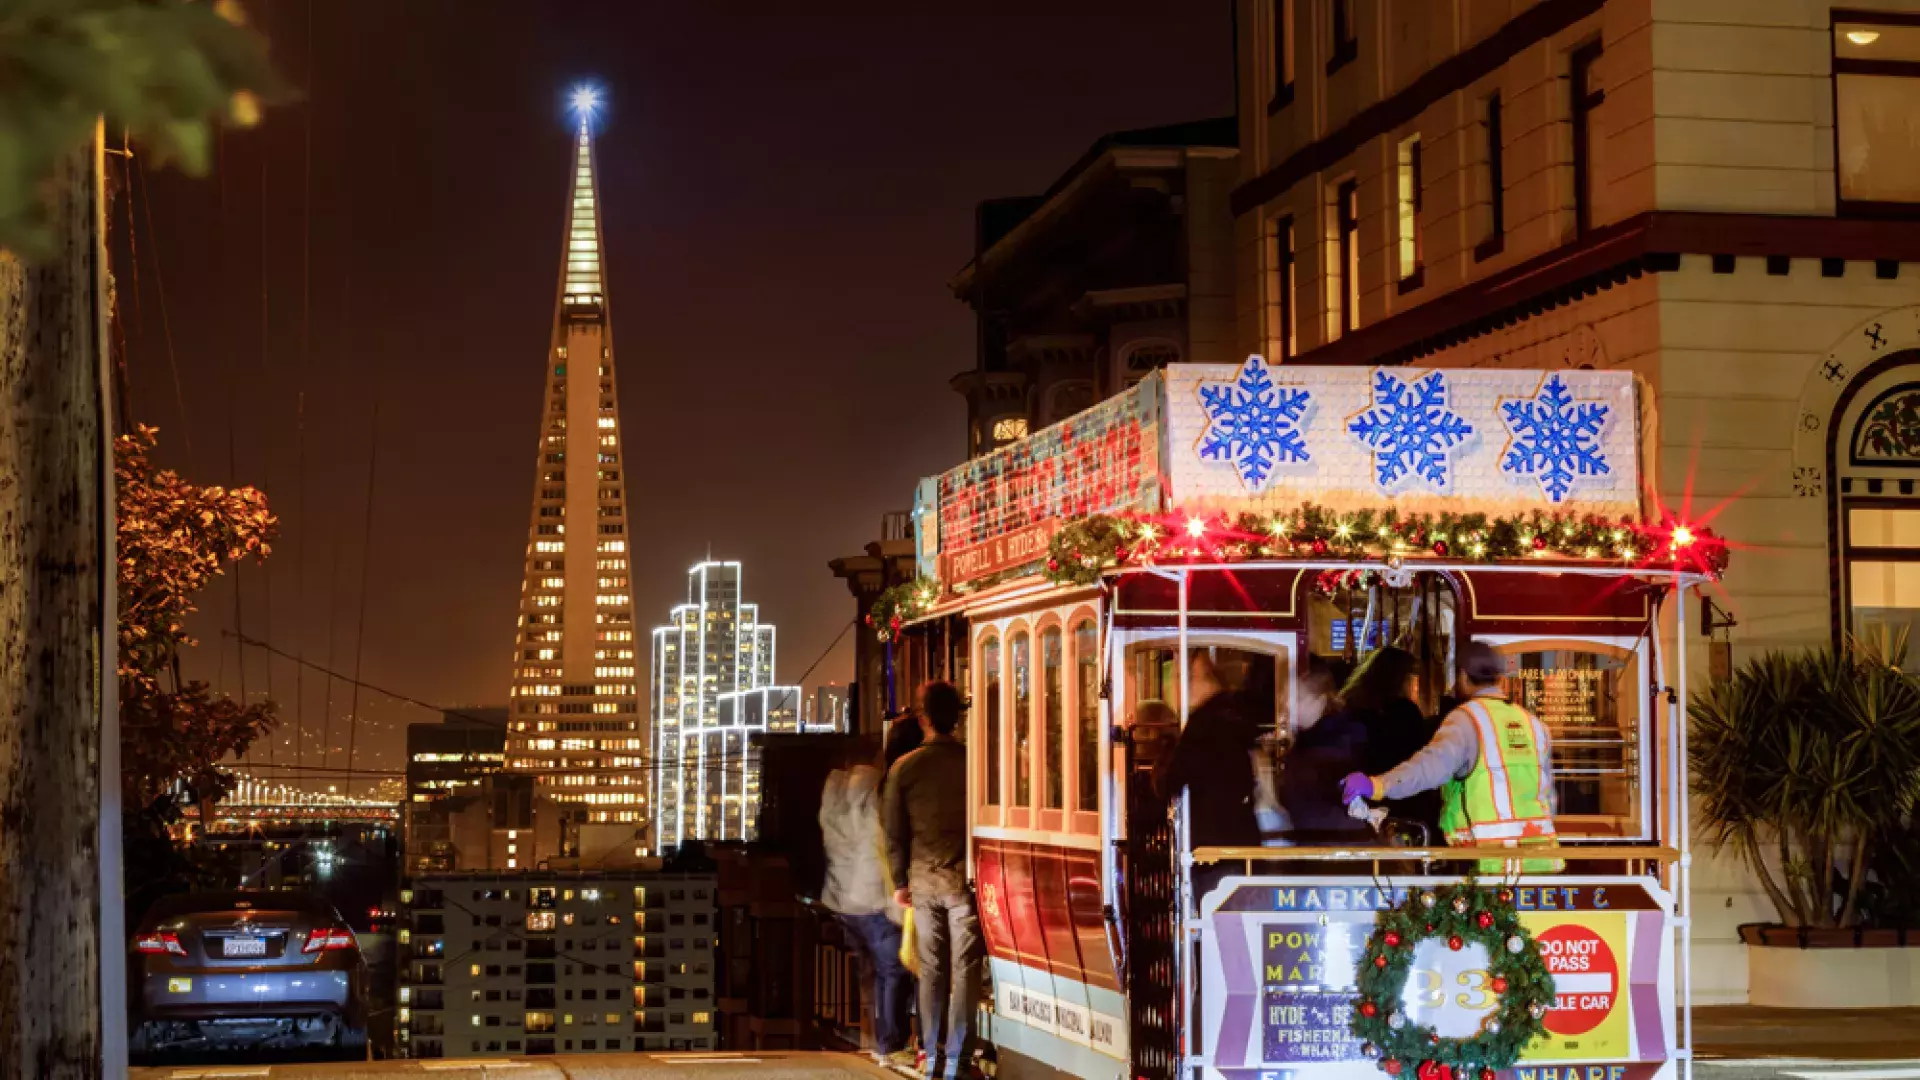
1435	1070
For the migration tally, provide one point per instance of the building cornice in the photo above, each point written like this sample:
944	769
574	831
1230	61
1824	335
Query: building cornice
1648	243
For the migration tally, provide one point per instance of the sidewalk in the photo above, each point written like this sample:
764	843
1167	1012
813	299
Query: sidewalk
1747	1031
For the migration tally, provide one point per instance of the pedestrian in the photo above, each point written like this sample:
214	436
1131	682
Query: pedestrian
858	894
1493	763
1380	697
926	821
904	736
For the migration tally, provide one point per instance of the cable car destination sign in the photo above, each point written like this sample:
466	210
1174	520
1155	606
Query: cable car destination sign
1266	437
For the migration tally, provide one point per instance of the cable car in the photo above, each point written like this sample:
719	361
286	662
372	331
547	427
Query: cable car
1277	520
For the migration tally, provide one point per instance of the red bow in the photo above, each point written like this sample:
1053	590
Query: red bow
1434	1070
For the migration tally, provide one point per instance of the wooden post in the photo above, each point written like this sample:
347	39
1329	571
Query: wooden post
57	648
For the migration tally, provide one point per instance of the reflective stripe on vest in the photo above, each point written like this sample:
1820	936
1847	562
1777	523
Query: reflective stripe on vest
1485	808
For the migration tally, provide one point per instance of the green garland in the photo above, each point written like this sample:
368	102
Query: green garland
907	600
1516	976
1084	550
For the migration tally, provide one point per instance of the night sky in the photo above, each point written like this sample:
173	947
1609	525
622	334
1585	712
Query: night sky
786	194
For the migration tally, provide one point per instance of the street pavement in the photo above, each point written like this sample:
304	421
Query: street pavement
675	1066
1806	1069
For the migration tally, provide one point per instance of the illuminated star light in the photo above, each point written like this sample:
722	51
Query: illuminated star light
584	102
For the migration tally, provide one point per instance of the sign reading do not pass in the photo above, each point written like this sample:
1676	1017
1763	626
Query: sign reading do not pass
1586	978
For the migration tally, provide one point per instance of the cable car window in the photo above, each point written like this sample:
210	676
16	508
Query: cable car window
990	690
1053	726
1354	612
1086	658
1022	675
1587	696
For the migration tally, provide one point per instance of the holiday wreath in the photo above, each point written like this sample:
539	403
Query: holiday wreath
1516	978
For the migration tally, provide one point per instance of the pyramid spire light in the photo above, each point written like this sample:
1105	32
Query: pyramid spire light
584	102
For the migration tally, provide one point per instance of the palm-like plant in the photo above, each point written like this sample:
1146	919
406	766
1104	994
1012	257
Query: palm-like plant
1816	755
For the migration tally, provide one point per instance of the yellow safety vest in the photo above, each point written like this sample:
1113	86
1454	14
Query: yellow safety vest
1508	797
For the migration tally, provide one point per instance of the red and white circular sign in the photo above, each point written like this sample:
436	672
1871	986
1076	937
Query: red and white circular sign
1586	978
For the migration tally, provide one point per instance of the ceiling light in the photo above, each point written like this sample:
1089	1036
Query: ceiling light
1863	37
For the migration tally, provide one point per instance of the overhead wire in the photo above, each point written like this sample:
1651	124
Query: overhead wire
160	289
366	566
300	406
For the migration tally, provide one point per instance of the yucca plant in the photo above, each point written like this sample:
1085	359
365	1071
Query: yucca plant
1810	757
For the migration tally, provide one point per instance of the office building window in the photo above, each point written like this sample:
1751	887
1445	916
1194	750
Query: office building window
1586	97
1286	345
1876	95
1346	269
1282	16
1346	36
1496	183
1407	220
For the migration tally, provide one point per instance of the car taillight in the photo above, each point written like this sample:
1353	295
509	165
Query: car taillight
325	940
159	943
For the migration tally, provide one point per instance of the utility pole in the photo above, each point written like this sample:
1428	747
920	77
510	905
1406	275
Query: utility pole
62	942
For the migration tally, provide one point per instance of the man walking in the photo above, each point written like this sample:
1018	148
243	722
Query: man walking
926	822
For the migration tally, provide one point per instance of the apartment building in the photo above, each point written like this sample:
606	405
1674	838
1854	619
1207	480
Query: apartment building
1718	196
543	963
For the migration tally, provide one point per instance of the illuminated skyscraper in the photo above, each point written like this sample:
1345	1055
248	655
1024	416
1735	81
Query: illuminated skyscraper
575	719
712	679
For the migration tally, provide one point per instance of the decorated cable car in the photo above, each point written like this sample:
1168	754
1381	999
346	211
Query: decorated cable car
1245	531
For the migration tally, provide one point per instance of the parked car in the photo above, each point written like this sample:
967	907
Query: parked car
246	971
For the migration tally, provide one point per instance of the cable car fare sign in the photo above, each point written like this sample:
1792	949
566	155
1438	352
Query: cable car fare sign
999	511
1278	962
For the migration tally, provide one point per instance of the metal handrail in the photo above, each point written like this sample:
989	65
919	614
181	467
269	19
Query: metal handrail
1587	852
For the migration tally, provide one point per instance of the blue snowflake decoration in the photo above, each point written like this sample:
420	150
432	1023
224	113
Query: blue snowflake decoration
1253	423
1411	431
1555	438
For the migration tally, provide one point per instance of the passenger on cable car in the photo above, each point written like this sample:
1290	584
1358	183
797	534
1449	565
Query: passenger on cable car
1380	697
1329	741
1212	760
1491	760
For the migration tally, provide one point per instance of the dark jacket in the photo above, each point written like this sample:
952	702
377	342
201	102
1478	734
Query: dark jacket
1394	734
1310	776
1213	761
926	818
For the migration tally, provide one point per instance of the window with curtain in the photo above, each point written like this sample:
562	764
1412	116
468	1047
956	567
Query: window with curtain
1876	107
1022	675
1053	724
990	689
1086	661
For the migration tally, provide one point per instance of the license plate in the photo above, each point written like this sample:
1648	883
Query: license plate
179	986
245	946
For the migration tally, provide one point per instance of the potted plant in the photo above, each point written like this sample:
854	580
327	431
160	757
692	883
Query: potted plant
1807	765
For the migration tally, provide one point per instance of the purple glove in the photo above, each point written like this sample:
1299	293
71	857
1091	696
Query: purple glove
1356	786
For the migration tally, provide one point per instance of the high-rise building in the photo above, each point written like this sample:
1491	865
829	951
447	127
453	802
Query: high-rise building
575	708
448	766
825	709
712	646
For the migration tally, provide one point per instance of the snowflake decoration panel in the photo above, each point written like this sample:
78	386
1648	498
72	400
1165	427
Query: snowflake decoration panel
1343	472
